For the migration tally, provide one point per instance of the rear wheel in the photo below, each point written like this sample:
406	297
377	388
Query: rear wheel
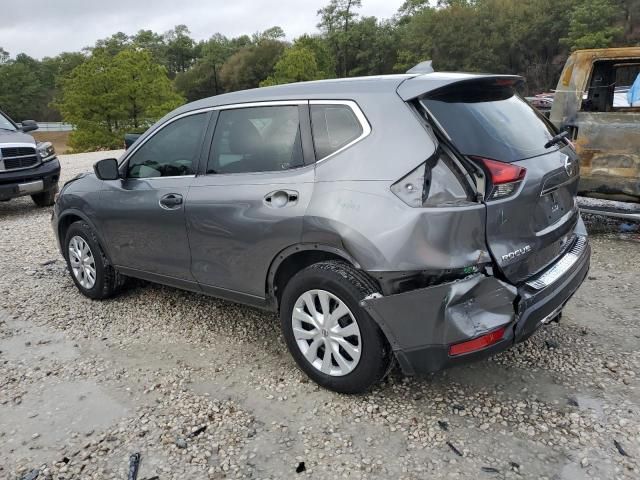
333	340
46	198
89	268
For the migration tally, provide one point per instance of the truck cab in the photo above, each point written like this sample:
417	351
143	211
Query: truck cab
27	167
591	102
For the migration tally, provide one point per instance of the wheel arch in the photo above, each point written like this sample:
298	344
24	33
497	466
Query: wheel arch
70	216
295	258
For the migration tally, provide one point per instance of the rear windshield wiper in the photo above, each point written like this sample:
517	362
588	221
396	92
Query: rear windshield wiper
557	139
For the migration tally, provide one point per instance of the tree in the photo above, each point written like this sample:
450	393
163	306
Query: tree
297	64
591	25
52	70
111	45
273	33
152	42
204	78
335	22
21	92
374	45
108	96
319	46
4	56
250	65
630	11
181	50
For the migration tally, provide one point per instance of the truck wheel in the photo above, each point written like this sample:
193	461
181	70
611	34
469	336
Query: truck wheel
332	339
89	268
46	198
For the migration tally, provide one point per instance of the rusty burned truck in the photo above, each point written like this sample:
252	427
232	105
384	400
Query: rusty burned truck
591	103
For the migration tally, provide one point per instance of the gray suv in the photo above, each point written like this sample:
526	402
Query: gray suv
427	218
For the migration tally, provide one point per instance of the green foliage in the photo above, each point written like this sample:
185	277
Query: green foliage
111	45
180	50
503	36
250	65
297	64
152	42
336	20
203	79
591	25
374	46
107	96
319	46
20	90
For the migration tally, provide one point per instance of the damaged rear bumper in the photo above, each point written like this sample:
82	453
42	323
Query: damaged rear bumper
422	324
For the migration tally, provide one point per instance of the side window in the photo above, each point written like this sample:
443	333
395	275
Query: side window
256	139
171	152
609	86
627	88
333	126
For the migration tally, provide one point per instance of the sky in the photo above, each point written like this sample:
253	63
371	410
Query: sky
43	28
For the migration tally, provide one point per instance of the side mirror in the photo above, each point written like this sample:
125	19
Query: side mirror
29	126
107	169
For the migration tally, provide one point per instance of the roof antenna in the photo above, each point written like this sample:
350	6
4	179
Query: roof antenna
422	67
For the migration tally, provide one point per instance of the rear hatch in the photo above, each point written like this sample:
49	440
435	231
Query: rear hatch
530	186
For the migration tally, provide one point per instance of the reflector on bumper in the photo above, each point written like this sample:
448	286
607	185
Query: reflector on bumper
477	343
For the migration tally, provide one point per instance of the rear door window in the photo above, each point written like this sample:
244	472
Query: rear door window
256	139
334	127
490	122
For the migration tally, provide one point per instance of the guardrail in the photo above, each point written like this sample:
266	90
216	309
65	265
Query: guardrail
54	127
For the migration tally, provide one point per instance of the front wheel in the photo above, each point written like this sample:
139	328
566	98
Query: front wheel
89	268
332	339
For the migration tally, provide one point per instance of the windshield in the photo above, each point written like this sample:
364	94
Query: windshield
491	122
6	124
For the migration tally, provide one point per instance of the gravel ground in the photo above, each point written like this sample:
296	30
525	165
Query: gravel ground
202	388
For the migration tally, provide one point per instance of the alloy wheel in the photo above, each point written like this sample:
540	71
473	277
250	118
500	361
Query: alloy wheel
83	264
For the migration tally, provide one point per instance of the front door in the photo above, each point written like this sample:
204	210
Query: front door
249	203
143	214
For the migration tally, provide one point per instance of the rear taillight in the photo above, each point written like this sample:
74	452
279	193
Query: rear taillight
505	178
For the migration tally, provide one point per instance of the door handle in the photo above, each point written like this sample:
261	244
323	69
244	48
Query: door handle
171	201
281	198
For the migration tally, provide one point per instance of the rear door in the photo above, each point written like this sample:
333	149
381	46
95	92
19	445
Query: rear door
249	201
530	189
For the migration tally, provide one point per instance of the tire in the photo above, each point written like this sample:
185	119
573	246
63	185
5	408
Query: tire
105	281
46	198
367	357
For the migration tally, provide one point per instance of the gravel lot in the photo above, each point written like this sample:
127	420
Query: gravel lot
206	389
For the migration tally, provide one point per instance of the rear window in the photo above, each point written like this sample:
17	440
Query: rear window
491	122
334	126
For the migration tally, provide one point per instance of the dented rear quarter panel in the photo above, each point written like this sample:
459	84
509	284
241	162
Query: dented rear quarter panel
354	209
608	142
